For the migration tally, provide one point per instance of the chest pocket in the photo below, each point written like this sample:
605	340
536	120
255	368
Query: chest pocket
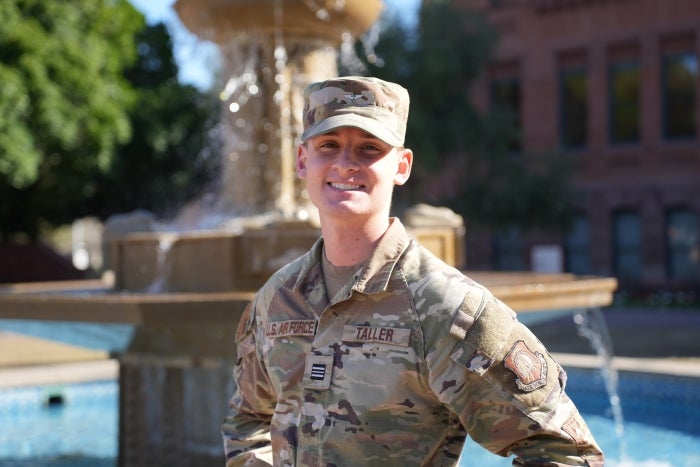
285	346
379	356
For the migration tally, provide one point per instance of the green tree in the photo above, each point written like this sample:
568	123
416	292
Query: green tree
438	62
94	119
64	103
172	155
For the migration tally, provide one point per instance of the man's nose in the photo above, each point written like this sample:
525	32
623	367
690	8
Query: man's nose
345	161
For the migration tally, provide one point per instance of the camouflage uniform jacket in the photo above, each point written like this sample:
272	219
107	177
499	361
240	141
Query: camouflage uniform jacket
396	369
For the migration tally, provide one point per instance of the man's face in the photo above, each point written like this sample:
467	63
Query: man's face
350	174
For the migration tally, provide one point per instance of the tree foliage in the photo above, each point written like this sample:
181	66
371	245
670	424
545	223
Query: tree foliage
172	155
91	108
456	144
63	100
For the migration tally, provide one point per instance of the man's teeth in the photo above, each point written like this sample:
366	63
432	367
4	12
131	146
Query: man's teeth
345	186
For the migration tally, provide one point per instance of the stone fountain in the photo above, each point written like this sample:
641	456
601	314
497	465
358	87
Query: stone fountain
270	50
181	294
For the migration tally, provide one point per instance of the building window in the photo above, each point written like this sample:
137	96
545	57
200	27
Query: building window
573	101
624	89
680	78
576	243
505	97
508	250
683	244
627	244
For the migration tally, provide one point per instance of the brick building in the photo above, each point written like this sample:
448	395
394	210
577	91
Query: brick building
612	85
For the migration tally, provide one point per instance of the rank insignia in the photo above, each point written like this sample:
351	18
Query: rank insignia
317	374
530	367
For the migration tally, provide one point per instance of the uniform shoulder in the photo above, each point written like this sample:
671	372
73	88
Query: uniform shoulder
284	278
288	273
419	263
432	281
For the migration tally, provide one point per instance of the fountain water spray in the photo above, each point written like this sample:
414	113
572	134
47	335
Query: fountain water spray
591	324
270	50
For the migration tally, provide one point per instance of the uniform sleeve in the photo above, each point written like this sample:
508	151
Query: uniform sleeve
508	392
246	430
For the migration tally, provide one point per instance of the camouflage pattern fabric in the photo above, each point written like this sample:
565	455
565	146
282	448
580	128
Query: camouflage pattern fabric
396	369
376	106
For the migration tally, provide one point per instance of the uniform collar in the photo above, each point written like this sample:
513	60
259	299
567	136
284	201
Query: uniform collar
374	276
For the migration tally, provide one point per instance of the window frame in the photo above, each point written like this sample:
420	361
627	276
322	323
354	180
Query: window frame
614	104
666	112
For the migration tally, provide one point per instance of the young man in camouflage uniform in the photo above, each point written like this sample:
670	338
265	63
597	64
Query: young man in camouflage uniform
369	350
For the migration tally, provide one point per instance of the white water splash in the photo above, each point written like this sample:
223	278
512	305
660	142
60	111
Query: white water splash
591	324
160	277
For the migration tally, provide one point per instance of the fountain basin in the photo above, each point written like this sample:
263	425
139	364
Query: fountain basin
151	263
527	292
220	20
196	325
96	301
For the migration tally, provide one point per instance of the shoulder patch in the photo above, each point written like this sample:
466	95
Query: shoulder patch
530	367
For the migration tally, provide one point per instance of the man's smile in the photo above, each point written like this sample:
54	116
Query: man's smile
345	186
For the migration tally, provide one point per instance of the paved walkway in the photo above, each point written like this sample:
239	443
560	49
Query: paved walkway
18	350
29	361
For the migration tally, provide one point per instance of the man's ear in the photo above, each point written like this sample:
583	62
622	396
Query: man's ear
404	167
301	161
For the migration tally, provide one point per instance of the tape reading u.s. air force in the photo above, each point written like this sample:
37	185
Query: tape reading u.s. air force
290	328
385	335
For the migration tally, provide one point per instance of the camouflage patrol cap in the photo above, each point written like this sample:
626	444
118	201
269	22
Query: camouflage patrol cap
376	106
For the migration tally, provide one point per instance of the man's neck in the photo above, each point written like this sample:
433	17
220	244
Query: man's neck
346	245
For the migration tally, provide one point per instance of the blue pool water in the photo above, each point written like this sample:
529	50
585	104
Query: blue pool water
661	429
80	432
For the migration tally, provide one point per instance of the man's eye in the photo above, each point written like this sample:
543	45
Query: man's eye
371	149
